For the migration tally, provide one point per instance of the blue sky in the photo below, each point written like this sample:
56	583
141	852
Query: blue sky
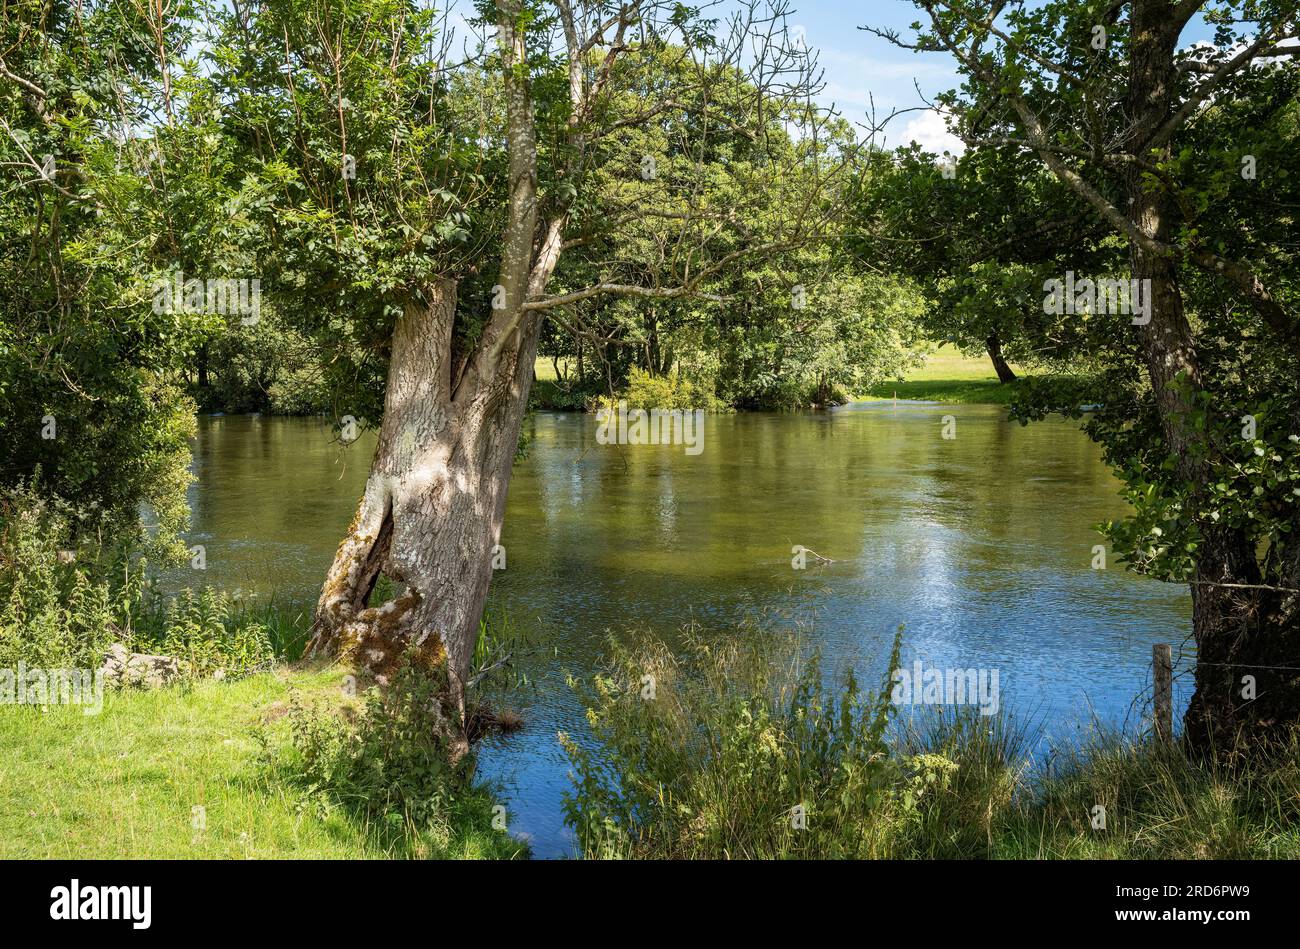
859	66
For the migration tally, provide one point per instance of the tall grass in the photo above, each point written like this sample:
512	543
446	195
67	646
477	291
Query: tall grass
735	749
1158	803
707	753
991	770
66	597
384	763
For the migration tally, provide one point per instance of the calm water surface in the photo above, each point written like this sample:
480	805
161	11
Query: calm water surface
981	545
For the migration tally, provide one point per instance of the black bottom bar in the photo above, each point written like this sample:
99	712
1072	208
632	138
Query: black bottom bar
335	899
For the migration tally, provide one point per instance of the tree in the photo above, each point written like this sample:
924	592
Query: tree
416	215
980	234
1161	145
88	366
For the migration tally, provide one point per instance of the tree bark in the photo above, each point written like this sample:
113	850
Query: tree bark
993	345
433	505
1240	627
821	396
436	494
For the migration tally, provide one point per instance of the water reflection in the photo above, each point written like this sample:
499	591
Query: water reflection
980	544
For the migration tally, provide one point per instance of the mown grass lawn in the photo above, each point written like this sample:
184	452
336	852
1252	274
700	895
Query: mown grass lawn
126	783
947	376
544	368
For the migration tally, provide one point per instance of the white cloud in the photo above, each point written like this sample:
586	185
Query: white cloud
928	130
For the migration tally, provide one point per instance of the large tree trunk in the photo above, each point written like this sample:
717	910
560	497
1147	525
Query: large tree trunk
436	495
821	396
993	345
1240	628
1247	685
433	504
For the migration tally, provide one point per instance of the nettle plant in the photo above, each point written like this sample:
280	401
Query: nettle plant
204	630
385	762
61	605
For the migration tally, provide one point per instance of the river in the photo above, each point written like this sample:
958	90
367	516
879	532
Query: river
981	544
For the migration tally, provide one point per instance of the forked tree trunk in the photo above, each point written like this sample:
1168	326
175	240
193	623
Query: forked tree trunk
436	495
433	504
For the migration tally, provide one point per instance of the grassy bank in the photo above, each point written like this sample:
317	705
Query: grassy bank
947	376
710	768
233	752
202	771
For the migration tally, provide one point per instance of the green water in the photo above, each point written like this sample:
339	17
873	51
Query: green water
981	544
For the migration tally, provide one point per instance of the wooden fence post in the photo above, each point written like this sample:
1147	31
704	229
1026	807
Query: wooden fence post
1162	665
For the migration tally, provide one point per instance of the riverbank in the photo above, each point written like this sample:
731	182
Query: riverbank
182	772
747	747
946	376
189	772
950	391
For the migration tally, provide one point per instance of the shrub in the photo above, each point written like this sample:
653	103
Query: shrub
559	396
735	749
387	765
265	367
671	391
